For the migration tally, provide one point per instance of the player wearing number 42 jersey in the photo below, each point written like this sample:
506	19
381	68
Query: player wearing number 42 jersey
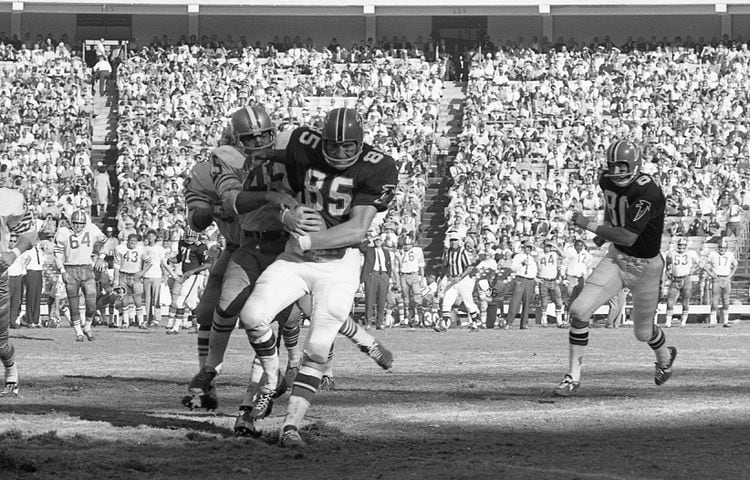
633	222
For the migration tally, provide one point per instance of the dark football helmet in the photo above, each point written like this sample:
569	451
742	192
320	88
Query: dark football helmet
343	137
623	152
681	245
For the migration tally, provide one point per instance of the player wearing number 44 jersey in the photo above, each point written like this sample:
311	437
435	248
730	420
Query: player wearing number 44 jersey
633	222
347	182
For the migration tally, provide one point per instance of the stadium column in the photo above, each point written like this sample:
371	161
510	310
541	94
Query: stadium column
370	23
15	19
193	20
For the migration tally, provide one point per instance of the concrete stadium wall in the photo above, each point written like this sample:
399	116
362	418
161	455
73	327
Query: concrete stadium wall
620	27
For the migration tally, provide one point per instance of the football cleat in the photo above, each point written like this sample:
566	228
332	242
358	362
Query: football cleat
567	387
381	355
10	390
663	374
262	404
290	375
79	338
727	325
473	327
89	335
291	438
201	392
327	384
244	425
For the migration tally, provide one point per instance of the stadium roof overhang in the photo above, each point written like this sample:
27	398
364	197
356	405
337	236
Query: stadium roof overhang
384	7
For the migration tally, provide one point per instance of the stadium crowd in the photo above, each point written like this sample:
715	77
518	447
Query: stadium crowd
536	120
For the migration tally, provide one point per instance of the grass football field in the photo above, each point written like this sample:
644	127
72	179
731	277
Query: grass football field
456	405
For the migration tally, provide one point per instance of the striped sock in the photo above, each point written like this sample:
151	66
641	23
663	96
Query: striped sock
579	341
658	345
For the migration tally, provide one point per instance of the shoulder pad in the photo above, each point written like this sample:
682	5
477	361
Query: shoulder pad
229	155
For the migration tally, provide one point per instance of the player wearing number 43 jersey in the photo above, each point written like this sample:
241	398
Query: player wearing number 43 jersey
347	182
633	222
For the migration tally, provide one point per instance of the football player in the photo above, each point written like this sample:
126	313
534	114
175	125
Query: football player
130	266
14	218
347	182
486	270
250	191
680	266
721	265
74	248
633	222
192	255
549	282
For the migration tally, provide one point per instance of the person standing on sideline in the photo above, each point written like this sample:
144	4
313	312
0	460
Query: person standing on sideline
578	262
549	282
16	274
33	262
721	265
14	219
411	275
680	266
633	223
525	271
376	275
158	258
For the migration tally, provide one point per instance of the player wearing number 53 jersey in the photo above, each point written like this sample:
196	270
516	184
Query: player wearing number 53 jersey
74	248
347	182
633	222
680	265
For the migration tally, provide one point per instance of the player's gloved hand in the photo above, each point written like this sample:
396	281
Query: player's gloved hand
217	211
65	276
579	219
301	220
599	241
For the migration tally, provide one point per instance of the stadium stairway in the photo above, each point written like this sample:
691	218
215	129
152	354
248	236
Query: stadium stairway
432	227
104	148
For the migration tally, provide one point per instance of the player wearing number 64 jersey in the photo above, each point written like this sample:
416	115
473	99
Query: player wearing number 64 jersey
74	248
633	222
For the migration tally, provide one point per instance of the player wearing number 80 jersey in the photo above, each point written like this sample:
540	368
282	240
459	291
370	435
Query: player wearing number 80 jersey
633	222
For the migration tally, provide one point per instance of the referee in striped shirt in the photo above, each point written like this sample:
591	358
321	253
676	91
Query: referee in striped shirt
458	268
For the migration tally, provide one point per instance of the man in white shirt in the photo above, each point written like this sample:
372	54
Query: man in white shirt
158	263
102	71
578	263
525	269
33	262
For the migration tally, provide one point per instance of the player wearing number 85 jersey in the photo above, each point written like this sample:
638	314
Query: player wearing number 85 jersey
347	182
633	222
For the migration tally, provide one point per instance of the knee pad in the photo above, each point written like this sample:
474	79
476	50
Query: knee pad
576	322
317	351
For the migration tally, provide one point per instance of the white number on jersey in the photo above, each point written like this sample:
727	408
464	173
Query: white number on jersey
76	242
617	206
323	192
310	139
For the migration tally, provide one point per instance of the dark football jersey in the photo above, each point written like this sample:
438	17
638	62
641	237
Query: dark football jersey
192	255
638	207
371	180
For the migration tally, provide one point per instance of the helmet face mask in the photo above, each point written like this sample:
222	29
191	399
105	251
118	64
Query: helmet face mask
343	137
623	162
722	247
252	130
681	245
191	236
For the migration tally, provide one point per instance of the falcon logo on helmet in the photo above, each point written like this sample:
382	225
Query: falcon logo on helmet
623	153
251	129
78	221
343	137
681	245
